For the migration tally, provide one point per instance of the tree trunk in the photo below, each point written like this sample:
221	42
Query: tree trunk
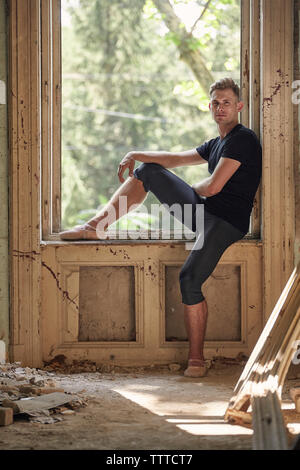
192	57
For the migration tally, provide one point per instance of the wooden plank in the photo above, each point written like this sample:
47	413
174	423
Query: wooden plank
268	424
270	359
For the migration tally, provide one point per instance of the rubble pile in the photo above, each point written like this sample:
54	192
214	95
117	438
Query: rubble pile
34	393
59	364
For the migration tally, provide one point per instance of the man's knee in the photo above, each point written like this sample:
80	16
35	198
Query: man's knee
145	171
190	287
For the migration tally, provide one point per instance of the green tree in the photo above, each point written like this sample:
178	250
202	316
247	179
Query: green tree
125	88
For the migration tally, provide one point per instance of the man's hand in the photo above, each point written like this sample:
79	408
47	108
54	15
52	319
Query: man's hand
127	162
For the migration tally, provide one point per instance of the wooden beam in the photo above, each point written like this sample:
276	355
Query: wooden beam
278	197
268	424
268	364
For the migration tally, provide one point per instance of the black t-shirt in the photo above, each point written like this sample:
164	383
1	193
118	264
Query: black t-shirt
235	201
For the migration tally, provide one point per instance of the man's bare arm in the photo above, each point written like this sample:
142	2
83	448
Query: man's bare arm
166	159
212	185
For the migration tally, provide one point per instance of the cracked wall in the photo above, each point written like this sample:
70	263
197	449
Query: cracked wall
4	282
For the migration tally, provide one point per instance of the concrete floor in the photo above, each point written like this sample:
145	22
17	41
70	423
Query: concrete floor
153	409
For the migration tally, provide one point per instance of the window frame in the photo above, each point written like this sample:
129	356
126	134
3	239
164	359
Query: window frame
51	99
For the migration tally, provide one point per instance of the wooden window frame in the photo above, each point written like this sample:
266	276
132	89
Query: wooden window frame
51	98
51	92
35	259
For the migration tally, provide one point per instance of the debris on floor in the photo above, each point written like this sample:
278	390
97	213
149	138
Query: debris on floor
59	363
149	407
33	393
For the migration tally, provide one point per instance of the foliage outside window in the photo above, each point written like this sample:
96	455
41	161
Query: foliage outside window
135	76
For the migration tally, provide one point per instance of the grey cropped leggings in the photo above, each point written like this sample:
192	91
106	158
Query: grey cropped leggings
217	236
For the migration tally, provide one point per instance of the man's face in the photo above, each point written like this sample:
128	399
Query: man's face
225	106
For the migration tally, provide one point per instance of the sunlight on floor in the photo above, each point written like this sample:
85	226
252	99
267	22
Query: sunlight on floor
212	427
197	417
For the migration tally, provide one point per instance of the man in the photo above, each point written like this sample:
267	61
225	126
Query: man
234	163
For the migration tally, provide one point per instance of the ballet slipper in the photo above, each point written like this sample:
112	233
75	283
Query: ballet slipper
196	368
80	232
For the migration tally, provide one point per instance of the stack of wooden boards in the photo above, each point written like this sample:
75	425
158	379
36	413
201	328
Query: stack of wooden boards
261	382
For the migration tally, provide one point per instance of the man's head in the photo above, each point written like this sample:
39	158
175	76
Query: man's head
225	102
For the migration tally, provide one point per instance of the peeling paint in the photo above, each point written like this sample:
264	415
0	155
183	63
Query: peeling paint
150	273
267	102
28	255
246	69
126	256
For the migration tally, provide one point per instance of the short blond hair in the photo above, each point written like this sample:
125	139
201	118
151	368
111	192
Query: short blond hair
223	84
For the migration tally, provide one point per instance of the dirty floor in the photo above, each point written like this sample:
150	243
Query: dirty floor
149	409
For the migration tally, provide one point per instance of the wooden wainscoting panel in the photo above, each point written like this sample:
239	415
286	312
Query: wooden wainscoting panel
233	294
222	290
133	278
106	303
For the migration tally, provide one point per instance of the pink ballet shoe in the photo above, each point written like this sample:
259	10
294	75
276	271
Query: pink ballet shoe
80	232
196	368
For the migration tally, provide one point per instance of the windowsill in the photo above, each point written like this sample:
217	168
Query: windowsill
55	240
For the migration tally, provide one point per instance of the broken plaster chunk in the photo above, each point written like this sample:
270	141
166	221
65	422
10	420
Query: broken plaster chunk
38	403
51	383
6	416
37	382
174	367
67	412
45	391
28	389
11	404
43	417
9	389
